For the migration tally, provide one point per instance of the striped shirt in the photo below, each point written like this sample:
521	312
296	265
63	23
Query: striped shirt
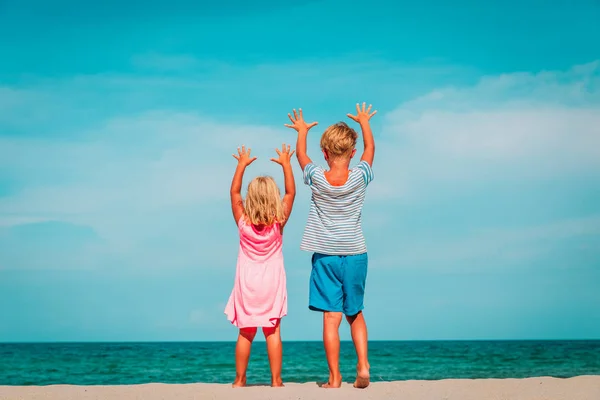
334	220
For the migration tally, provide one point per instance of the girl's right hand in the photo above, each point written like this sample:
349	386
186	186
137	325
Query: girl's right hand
284	154
243	156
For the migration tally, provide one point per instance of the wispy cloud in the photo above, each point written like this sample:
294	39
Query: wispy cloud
136	178
117	125
144	183
513	126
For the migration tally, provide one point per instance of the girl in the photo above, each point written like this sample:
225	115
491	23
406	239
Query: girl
259	295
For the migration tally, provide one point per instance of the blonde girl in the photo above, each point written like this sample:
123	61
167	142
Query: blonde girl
259	295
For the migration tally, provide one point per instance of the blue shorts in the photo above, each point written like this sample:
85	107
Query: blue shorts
337	283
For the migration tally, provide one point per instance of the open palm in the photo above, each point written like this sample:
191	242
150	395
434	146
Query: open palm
298	122
243	156
284	154
363	115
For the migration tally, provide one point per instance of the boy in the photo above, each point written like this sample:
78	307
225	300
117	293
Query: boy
334	235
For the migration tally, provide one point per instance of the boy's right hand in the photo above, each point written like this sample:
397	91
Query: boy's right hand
364	115
298	123
243	156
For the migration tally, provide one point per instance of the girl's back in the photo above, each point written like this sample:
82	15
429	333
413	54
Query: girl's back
259	295
260	244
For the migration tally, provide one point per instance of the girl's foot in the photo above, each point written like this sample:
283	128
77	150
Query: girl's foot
239	382
362	377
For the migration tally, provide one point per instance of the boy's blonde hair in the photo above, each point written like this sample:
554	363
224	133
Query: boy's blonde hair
263	204
339	140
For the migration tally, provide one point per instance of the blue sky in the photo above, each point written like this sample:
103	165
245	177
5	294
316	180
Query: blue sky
118	120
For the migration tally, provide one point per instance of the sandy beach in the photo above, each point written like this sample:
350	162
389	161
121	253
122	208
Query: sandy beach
577	388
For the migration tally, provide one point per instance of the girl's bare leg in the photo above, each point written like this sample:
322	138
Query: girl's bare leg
275	352
242	355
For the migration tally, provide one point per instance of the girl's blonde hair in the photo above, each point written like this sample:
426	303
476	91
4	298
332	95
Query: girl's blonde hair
263	204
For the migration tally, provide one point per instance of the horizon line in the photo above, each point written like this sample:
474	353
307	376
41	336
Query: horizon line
290	341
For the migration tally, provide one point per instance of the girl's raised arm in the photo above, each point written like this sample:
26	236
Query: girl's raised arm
284	160
237	203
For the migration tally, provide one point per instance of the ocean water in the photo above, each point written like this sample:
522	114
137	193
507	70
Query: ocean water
135	363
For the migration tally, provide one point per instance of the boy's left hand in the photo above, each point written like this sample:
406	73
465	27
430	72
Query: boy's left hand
243	156
284	154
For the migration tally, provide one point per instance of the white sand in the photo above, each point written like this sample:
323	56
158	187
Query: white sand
578	388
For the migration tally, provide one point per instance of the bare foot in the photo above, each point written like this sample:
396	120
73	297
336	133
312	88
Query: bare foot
277	383
334	383
362	378
239	382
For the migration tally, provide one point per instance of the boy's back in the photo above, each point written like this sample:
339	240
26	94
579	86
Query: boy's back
334	221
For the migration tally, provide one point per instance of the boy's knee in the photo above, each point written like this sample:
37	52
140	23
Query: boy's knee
352	318
332	318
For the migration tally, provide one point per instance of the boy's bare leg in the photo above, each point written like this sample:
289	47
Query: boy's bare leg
275	352
242	355
358	328
331	340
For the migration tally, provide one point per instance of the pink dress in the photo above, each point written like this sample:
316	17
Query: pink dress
259	295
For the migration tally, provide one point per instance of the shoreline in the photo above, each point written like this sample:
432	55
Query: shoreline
583	387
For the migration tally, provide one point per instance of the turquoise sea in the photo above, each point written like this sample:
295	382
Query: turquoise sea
134	363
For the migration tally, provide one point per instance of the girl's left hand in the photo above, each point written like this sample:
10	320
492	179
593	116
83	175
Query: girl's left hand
284	154
243	156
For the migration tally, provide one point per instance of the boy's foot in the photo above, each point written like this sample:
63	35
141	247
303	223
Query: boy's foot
239	382
362	378
334	383
277	383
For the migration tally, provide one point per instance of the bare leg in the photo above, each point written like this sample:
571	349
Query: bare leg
358	327
275	352
242	355
331	340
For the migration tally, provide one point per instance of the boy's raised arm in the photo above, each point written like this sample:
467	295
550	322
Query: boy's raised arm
302	128
284	160
369	151
362	117
237	203
303	158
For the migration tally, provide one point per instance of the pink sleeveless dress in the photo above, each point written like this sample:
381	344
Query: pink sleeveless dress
259	295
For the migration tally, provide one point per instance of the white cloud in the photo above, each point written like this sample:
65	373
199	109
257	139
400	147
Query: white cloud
144	163
574	87
149	185
513	126
508	135
145	180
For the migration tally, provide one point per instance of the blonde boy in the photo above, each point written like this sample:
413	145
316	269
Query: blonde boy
334	235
